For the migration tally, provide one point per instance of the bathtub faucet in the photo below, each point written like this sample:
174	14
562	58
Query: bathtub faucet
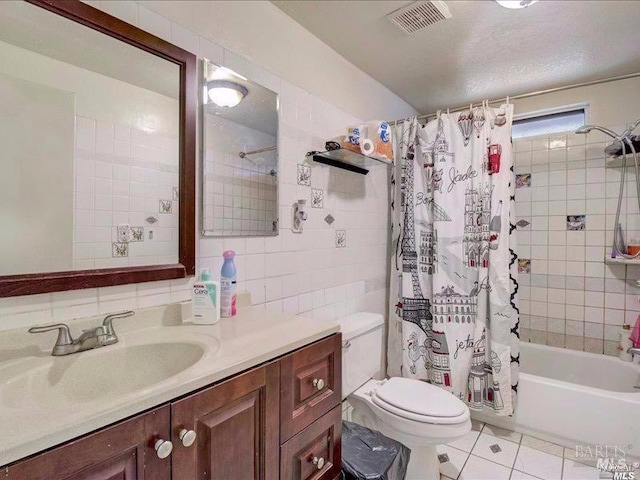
634	351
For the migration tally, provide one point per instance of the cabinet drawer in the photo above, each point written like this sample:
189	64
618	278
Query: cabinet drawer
310	384
314	453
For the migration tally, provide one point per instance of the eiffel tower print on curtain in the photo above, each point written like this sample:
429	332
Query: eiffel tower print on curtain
415	309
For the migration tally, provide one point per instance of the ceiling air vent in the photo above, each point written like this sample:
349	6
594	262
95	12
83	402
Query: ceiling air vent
418	15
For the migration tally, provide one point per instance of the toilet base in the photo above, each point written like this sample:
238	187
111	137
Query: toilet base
423	464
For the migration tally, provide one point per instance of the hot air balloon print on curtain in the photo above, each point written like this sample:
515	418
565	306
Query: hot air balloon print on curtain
465	124
478	121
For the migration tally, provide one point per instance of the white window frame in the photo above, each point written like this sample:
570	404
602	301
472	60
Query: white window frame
555	110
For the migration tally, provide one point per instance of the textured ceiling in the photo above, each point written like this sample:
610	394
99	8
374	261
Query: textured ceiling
484	51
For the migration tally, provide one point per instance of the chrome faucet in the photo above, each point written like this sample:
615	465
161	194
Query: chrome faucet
634	350
91	338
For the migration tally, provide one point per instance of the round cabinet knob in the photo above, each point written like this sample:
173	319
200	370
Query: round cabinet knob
318	383
318	462
187	437
163	448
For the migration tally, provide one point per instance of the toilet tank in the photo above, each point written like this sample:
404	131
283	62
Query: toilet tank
361	349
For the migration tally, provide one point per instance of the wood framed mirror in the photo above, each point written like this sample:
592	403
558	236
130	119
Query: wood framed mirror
124	190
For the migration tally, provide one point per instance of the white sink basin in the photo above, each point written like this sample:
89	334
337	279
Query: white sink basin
129	367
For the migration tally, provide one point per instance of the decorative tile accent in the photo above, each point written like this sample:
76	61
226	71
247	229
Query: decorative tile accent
524	265
443	458
119	249
176	193
341	238
124	233
304	175
329	219
523	180
522	223
495	448
137	234
576	222
317	198
166	206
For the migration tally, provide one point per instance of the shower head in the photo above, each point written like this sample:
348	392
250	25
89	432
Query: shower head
587	128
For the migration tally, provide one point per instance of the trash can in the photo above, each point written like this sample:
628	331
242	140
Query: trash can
369	455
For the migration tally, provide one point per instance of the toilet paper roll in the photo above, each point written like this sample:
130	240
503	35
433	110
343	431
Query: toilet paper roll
367	147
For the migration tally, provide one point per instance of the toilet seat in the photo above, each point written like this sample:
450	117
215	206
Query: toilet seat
419	401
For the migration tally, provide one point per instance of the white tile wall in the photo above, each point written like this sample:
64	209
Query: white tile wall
303	274
122	174
571	298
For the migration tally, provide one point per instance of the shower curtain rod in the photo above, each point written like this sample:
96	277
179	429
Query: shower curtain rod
530	94
252	152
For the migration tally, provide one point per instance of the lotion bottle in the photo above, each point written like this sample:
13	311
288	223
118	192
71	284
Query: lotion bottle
228	285
205	299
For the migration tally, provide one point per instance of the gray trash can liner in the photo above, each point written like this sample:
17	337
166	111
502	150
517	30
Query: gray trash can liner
369	455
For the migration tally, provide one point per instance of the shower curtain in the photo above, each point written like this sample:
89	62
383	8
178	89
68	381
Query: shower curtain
453	284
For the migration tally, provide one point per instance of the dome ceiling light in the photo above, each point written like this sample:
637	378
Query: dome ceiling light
225	93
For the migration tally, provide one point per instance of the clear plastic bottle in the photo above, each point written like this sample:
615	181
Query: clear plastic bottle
228	285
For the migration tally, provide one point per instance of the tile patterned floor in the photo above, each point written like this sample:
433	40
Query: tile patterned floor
491	453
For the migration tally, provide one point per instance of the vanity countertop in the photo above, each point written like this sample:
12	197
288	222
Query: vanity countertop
31	423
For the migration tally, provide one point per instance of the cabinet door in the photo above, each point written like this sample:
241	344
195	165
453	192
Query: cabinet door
315	452
236	425
123	451
310	384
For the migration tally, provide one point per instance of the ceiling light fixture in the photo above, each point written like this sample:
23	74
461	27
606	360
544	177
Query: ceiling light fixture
515	4
226	94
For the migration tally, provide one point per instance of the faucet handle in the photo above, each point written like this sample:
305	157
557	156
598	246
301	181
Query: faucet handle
64	334
107	323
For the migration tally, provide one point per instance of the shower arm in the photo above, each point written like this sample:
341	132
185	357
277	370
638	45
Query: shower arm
253	152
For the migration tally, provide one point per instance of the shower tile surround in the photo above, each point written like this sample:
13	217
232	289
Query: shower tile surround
293	273
240	195
569	297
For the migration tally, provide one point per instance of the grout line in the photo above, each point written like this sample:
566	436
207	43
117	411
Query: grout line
513	466
469	453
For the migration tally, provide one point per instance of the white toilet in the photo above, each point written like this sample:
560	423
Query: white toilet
415	413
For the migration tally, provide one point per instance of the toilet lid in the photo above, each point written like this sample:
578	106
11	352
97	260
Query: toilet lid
419	398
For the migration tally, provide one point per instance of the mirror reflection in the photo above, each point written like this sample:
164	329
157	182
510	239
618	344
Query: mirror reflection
89	148
240	177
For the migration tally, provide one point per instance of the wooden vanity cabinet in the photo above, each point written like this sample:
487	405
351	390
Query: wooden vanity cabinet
236	424
281	420
123	451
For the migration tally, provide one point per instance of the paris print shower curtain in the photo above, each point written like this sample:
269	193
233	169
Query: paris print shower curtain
453	286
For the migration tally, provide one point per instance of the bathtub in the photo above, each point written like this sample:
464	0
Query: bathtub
575	398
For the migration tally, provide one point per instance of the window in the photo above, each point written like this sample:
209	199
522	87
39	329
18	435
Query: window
546	122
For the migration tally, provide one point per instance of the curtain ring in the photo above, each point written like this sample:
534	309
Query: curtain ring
447	111
438	114
507	99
